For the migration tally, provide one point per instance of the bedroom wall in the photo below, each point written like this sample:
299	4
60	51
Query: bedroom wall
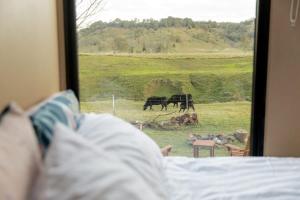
30	52
282	131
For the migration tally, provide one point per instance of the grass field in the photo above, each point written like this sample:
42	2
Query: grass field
210	77
214	118
220	83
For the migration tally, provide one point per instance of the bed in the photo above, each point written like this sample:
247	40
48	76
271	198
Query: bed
228	177
99	156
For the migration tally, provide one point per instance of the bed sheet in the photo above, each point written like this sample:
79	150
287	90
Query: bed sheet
232	178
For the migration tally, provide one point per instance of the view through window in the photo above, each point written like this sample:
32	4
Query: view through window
179	70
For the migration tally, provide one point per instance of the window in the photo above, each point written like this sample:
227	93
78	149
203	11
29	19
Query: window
127	64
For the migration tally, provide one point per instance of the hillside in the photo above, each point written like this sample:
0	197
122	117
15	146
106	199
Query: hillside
170	35
214	78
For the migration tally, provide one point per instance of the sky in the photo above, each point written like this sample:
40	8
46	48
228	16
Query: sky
202	10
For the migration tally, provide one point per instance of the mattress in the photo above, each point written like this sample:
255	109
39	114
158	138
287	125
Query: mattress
232	178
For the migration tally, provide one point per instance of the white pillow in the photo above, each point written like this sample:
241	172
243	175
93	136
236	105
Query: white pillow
20	158
130	145
76	169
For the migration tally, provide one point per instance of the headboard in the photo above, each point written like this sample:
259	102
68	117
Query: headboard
30	51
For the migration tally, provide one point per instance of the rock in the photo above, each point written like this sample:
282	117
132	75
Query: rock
240	135
218	141
230	138
221	139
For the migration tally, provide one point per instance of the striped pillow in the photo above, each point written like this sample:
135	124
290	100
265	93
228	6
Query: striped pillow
69	99
62	107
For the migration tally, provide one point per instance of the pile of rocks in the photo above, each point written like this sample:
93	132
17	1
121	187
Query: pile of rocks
185	119
220	139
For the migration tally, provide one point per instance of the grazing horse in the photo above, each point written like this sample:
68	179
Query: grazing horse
183	106
156	101
179	98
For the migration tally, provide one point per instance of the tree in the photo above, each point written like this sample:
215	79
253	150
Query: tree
120	44
86	10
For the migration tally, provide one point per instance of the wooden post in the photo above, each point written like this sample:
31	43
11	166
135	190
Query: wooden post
187	102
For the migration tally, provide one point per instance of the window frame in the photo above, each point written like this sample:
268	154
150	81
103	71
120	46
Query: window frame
260	66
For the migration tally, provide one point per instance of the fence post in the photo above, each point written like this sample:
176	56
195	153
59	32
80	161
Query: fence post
187	102
113	104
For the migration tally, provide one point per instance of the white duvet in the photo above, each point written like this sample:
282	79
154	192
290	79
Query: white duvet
232	178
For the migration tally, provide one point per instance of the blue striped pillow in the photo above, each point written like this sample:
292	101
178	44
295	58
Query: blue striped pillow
62	107
69	99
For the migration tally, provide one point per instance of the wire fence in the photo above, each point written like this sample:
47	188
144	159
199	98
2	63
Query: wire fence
184	102
133	109
204	99
213	118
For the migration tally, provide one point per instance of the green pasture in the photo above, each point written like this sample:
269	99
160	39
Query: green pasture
220	82
214	118
210	78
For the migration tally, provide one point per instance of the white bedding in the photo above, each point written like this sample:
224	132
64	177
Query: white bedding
210	178
232	178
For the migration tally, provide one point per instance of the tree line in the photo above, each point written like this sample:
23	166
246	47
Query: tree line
166	23
164	35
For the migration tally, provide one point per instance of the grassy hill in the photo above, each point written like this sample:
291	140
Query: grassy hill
209	78
170	35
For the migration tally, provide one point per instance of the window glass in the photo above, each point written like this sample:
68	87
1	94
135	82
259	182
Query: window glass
181	71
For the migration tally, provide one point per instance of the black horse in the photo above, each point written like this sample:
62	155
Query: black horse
156	101
179	98
183	106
